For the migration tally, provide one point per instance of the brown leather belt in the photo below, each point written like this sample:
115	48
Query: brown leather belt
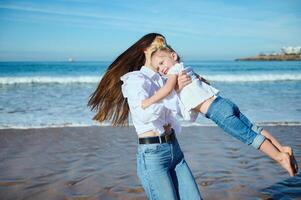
158	139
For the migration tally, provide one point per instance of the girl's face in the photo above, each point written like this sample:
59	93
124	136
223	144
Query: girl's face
163	61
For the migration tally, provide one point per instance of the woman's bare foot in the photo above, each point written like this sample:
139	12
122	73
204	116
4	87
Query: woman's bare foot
284	160
289	151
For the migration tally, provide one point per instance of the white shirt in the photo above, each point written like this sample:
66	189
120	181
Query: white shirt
196	92
140	85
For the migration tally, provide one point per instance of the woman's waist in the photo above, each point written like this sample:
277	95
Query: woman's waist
155	127
153	138
149	134
153	133
148	127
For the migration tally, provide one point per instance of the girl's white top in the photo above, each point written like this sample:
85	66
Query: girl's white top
140	85
196	92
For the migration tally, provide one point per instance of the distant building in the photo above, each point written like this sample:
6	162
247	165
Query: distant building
291	50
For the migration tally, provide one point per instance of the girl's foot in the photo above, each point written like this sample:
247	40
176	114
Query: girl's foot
294	163
285	162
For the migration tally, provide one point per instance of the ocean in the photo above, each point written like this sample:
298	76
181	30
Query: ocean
77	161
55	94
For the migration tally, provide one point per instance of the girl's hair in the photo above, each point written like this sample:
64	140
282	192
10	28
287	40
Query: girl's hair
169	49
107	99
166	48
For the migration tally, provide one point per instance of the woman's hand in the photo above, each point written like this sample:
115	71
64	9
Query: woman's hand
183	80
167	128
159	41
148	54
144	104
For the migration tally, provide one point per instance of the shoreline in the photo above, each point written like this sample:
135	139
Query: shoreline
267	123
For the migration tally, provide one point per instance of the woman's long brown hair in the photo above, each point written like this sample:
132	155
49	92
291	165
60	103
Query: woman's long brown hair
107	99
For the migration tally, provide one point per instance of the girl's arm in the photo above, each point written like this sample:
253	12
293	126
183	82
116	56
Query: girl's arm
162	92
135	88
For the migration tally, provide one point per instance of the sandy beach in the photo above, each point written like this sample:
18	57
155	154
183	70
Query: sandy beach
99	163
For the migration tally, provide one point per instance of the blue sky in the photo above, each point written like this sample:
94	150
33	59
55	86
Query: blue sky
101	30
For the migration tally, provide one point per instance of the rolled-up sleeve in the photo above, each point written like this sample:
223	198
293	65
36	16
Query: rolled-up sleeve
136	88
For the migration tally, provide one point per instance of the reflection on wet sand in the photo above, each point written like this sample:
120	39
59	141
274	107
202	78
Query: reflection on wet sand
99	163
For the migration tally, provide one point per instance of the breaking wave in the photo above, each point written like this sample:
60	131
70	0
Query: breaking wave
96	79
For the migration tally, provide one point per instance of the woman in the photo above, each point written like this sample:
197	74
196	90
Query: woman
161	166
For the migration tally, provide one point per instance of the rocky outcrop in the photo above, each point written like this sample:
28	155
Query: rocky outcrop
278	57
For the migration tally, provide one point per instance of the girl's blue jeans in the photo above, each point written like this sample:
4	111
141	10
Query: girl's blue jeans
228	117
164	173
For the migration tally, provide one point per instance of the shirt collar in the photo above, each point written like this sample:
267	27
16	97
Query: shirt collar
149	72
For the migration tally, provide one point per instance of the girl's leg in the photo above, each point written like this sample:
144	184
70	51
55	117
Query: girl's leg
227	116
283	149
282	158
248	123
264	132
268	135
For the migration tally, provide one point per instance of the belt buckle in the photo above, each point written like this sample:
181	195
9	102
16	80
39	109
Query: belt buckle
167	138
160	140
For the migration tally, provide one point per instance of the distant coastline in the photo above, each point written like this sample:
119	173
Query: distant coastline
287	54
281	57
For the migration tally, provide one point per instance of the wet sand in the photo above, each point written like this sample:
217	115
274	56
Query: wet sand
99	163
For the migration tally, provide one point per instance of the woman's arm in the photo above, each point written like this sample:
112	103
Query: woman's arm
162	92
202	79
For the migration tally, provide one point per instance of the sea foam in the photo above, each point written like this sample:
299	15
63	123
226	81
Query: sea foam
183	124
254	77
49	79
96	79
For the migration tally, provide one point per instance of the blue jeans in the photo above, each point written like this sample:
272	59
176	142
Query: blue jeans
164	173
228	117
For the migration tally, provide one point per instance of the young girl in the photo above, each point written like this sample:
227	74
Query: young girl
200	97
